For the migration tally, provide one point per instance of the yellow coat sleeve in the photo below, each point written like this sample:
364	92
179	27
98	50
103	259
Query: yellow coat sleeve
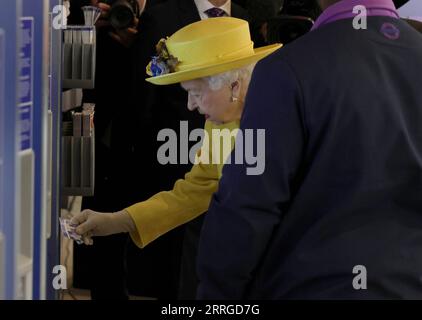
189	198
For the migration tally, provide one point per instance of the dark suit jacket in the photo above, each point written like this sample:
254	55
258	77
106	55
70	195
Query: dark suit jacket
342	110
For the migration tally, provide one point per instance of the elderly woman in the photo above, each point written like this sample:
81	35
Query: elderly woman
213	60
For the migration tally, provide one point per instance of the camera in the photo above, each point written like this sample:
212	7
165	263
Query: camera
123	12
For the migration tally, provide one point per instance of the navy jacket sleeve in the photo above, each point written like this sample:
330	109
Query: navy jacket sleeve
247	208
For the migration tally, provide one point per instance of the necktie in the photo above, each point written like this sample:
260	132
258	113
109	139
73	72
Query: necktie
215	12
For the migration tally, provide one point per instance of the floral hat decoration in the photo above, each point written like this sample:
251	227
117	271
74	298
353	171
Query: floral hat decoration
163	62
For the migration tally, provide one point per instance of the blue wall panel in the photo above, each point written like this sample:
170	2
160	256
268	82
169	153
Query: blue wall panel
9	207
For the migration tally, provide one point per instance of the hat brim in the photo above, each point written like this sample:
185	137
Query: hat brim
213	69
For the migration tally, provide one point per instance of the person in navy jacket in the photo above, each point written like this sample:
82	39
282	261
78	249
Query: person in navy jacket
337	213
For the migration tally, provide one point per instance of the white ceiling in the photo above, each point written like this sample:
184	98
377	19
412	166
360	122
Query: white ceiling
412	9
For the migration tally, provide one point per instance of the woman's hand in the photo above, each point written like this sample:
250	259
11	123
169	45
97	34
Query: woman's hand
93	224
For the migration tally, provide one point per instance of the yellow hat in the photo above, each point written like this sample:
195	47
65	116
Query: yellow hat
205	48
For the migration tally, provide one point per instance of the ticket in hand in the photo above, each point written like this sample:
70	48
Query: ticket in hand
69	230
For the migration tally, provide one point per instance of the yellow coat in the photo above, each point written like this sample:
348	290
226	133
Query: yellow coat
190	196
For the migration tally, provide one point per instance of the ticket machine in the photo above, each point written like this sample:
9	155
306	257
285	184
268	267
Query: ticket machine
29	95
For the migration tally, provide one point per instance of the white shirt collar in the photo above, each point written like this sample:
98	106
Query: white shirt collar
204	5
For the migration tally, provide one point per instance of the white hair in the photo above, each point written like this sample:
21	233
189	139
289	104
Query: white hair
227	78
